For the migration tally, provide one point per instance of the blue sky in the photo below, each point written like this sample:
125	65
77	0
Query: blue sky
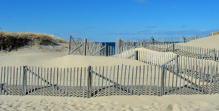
105	20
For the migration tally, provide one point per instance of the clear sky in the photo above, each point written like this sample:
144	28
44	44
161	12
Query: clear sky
105	20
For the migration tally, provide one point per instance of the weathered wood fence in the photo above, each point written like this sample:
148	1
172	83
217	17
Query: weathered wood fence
79	46
122	45
167	78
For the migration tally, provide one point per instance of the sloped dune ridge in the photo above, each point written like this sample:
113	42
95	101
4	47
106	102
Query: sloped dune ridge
210	42
50	57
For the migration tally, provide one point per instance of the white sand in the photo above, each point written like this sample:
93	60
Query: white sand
35	57
207	42
113	103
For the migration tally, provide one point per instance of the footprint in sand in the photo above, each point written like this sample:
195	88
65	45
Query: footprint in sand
145	107
92	106
156	104
136	109
65	108
174	107
73	100
4	106
193	106
200	103
121	108
126	106
10	109
115	102
30	104
78	108
102	104
77	105
14	105
94	103
19	100
107	109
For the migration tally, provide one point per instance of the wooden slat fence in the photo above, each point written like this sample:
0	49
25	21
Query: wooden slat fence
167	78
153	44
181	50
148	57
79	46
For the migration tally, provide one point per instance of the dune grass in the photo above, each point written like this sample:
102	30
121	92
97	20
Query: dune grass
215	33
10	41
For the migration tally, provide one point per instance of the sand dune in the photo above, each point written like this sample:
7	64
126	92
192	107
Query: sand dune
207	42
32	56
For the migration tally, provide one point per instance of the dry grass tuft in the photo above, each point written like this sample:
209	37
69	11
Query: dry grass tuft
215	33
10	41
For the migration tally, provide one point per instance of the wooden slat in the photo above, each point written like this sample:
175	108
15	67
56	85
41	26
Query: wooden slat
207	72
50	79
173	67
60	80
113	78
41	93
98	82
1	83
154	80
139	80
67	78
106	81
196	73
214	79
142	79
211	78
13	88
84	80
203	80
121	80
128	79
102	81
73	87
77	91
200	75
136	73
109	81
168	87
8	80
81	81
132	79
124	80
95	88
89	81
44	76
150	80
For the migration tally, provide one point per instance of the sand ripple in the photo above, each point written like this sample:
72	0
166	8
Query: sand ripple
71	104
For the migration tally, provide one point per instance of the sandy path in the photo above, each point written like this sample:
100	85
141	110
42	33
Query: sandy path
114	103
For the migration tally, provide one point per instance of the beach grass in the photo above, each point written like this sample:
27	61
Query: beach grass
13	40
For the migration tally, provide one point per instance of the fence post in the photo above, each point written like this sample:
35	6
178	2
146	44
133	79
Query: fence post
106	49
144	44
212	33
176	64
89	82
173	48
136	55
24	81
162	81
184	39
69	45
85	43
152	40
214	55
